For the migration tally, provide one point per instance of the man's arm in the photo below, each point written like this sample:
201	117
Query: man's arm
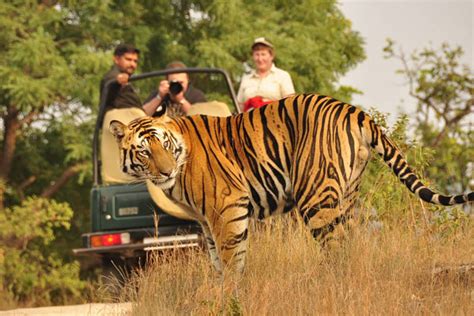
114	88
154	99
151	106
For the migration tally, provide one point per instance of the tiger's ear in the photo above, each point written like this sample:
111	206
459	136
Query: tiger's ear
117	129
161	110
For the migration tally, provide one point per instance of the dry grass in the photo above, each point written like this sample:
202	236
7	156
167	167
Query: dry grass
389	271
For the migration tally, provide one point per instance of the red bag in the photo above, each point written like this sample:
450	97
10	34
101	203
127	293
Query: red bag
254	103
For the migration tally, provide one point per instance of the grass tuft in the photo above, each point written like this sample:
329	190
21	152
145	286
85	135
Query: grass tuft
395	269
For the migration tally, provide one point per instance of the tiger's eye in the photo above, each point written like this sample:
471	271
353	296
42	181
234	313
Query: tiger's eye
145	153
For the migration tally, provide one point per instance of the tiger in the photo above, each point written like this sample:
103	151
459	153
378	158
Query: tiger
305	152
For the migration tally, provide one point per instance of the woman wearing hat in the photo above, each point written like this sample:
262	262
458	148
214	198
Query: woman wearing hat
267	82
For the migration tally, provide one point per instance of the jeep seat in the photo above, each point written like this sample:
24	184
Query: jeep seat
110	155
212	108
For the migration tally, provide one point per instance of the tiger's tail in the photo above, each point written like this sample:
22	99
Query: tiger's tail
393	157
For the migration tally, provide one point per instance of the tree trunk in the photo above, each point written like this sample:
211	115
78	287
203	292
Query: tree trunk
12	124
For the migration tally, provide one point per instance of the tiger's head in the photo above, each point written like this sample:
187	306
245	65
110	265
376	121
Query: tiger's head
149	150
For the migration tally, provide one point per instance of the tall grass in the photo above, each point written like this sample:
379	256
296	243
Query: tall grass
373	271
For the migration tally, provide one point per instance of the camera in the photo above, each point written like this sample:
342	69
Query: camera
175	87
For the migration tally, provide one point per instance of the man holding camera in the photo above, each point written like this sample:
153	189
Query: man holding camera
177	88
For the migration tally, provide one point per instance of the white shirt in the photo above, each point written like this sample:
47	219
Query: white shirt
274	86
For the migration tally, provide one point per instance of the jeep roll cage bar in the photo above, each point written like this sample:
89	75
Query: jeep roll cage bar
100	116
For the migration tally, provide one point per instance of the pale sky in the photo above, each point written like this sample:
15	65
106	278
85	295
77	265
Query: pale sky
412	24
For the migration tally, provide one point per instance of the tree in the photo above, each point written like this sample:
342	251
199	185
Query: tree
444	91
53	56
313	40
48	46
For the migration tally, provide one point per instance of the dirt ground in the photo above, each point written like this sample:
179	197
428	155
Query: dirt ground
73	310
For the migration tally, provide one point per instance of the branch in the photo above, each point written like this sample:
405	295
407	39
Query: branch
49	3
28	118
440	136
467	110
427	101
67	174
406	69
26	183
448	124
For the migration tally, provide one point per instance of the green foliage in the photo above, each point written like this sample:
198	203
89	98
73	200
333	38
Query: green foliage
234	306
29	271
385	198
381	190
34	218
52	63
313	40
450	221
33	74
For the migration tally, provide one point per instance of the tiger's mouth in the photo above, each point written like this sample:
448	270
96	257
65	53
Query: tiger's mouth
163	183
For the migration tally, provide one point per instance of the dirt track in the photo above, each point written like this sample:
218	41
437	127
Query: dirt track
73	310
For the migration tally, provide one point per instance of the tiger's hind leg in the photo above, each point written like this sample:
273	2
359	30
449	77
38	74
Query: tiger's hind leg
329	210
351	194
329	229
326	222
343	220
326	210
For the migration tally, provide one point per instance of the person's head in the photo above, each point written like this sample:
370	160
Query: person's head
262	54
180	77
126	58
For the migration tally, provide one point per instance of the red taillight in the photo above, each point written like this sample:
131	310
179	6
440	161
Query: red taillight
110	240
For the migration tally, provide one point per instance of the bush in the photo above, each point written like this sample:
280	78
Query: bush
31	272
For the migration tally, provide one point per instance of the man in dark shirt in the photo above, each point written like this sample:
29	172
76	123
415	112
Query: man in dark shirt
122	104
122	94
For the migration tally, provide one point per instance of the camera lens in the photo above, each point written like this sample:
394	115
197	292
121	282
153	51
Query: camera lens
175	87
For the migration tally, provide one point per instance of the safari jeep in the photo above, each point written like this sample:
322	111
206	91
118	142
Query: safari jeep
125	223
